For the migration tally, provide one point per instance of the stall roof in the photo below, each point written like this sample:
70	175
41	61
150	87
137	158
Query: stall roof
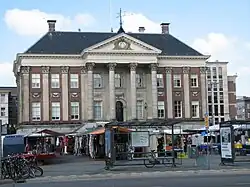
102	130
151	123
50	132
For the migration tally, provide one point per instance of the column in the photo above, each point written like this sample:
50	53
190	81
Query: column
90	91
154	91
65	93
25	70
186	91
133	100
45	82
203	90
19	96
83	92
169	92
112	90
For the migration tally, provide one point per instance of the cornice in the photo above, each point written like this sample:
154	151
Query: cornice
205	57
123	53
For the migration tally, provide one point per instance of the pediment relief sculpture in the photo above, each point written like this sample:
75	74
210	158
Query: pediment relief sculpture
195	94
177	93
74	95
122	44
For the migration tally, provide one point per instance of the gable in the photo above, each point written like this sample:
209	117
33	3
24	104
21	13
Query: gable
122	43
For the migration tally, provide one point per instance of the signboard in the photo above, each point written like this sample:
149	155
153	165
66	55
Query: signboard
206	121
226	142
140	139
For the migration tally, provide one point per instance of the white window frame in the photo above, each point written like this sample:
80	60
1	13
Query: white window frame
55	111
139	80
3	97
35	80
74	81
139	109
36	111
194	80
3	111
98	116
118	80
177	81
178	109
97	80
248	106
75	110
55	80
195	111
161	109
160	82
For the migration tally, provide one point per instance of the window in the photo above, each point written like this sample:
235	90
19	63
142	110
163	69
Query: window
248	106
210	110
159	80
35	80
55	81
214	72
118	80
3	113
220	72
56	112
216	110
139	80
209	73
74	81
177	81
75	110
194	80
215	97
209	85
177	109
139	109
36	111
161	109
2	98
221	97
97	81
221	85
248	115
222	110
97	110
222	119
195	109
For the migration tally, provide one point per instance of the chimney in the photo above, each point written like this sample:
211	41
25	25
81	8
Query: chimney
52	25
141	29
165	28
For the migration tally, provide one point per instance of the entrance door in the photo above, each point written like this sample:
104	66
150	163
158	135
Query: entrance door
119	111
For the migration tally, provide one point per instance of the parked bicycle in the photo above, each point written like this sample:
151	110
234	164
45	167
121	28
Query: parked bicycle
152	160
16	167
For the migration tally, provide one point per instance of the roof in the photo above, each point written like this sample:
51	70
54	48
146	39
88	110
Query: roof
75	42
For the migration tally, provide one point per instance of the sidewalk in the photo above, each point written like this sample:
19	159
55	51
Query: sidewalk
6	181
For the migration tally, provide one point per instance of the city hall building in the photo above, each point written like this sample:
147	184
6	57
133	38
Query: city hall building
70	78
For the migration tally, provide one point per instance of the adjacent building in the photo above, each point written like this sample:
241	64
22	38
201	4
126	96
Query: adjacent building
70	78
8	105
221	92
243	108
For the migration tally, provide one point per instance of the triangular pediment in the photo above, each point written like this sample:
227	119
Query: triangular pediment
122	43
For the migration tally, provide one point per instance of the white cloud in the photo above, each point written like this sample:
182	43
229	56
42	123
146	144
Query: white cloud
7	77
34	22
132	21
231	49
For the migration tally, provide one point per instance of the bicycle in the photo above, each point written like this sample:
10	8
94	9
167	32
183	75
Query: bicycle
152	160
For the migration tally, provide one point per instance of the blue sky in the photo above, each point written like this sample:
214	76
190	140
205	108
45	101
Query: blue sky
220	28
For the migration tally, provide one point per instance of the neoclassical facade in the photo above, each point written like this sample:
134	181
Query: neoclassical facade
76	77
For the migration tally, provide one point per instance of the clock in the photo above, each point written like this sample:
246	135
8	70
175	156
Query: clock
122	44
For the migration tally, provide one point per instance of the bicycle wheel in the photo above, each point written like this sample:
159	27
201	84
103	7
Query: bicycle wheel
149	162
37	171
166	161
